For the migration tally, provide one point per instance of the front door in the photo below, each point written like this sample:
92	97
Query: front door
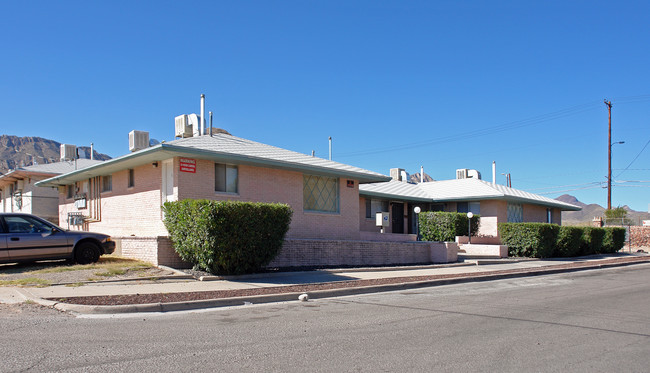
397	217
167	180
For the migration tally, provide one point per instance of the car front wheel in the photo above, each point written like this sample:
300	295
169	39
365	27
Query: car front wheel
86	253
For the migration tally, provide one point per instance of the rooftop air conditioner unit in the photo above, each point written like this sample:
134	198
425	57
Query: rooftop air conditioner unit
183	126
461	173
138	140
473	174
68	152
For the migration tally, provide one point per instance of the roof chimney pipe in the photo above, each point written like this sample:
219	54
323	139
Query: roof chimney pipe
202	124
494	172
330	148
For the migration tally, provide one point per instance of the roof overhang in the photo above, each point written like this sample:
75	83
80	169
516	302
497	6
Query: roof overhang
394	197
19	174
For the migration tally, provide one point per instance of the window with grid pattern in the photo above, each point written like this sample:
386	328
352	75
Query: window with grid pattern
515	213
320	193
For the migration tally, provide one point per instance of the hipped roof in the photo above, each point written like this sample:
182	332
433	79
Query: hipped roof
223	148
458	190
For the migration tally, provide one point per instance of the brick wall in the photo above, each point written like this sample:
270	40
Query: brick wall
307	253
155	250
304	252
640	237
136	211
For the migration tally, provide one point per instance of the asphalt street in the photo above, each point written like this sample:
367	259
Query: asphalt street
596	320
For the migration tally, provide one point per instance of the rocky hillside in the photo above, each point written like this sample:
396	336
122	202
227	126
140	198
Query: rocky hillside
23	151
415	178
590	211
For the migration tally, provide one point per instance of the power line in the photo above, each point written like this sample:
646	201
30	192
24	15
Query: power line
565	186
635	158
481	132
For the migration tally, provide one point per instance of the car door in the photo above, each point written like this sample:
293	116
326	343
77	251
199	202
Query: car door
29	238
4	254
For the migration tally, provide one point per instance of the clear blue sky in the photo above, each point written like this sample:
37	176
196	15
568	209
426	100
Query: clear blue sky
443	84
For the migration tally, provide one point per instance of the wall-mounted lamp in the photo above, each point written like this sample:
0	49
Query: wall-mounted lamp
155	164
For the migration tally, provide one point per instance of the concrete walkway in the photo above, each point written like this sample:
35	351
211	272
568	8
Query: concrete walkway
480	270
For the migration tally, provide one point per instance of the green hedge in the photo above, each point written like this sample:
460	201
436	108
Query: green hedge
592	240
568	241
542	240
445	226
529	239
227	237
614	239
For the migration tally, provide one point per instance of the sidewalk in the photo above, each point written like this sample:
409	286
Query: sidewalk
183	293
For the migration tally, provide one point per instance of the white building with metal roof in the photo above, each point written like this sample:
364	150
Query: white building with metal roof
18	192
495	203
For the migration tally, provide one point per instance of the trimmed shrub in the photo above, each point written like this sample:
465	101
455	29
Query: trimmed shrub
227	237
568	241
529	239
614	239
592	240
445	226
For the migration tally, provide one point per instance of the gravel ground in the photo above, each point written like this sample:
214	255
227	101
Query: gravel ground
204	295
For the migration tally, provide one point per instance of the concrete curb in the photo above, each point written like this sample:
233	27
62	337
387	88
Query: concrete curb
318	294
334	270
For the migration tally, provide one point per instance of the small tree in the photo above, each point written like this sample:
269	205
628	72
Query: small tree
617	216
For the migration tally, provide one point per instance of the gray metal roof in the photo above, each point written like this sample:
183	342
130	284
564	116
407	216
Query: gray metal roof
47	169
227	149
459	190
396	190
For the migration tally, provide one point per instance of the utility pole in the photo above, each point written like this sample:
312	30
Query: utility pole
609	156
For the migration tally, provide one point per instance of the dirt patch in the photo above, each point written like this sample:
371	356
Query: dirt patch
60	272
28	309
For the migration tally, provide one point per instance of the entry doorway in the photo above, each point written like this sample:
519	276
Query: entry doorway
397	217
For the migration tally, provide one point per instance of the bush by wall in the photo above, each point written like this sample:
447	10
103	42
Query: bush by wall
614	239
568	241
542	240
227	237
445	226
592	240
529	239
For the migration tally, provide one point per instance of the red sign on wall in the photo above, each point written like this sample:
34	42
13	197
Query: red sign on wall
188	165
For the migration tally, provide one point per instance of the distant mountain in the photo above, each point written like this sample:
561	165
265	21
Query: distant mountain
588	212
23	151
415	178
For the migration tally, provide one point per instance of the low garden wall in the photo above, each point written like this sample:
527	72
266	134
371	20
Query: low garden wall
307	253
640	237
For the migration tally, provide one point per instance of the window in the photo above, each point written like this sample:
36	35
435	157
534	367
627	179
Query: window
473	207
131	178
225	178
26	224
515	213
107	183
320	193
549	216
70	191
373	206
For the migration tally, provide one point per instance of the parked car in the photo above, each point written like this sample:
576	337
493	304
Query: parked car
25	237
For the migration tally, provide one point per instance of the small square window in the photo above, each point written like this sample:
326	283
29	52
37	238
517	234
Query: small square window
107	183
225	178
